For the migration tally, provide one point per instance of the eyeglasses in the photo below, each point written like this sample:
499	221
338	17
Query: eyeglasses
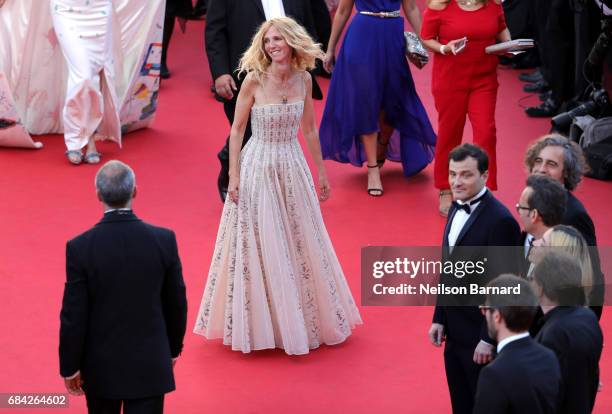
485	308
520	207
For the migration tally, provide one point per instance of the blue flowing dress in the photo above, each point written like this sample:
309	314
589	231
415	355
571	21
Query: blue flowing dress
372	75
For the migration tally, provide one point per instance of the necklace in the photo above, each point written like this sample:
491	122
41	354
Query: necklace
467	3
283	89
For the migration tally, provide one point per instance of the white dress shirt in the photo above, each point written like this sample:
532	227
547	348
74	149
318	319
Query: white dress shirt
461	217
273	8
509	339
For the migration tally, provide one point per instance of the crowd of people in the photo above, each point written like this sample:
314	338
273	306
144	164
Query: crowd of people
274	279
570	302
565	32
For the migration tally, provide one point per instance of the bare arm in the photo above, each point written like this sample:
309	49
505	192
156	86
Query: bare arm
341	17
413	14
504	36
311	135
435	46
246	99
434	43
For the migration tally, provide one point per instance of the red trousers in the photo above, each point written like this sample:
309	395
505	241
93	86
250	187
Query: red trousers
475	97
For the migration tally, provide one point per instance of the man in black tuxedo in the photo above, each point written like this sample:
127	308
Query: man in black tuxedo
230	27
540	207
477	221
124	311
502	388
570	330
561	159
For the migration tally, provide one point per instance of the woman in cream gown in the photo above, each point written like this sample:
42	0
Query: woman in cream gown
275	280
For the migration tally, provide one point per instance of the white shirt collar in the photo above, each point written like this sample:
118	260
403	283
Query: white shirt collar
480	194
509	339
110	210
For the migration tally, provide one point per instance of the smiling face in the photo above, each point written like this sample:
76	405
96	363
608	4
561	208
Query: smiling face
549	162
464	178
276	46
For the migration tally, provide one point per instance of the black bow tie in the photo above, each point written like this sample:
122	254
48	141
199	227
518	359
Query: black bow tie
467	207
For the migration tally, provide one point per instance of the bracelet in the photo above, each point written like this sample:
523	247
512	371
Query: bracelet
442	52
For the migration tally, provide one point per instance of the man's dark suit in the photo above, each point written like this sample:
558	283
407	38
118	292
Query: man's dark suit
124	311
573	333
490	224
577	217
523	378
230	27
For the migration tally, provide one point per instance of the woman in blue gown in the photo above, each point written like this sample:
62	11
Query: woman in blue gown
373	111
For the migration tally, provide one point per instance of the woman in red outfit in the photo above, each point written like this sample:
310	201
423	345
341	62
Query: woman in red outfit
464	79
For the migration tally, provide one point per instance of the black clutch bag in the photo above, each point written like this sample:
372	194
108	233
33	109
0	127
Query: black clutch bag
415	50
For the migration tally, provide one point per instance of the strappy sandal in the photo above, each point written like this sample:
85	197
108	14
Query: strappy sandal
93	157
375	192
443	209
381	147
75	157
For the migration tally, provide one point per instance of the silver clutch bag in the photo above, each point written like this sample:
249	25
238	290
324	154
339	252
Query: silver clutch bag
415	50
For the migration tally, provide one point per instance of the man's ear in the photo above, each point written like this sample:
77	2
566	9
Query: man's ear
485	175
134	192
497	316
99	196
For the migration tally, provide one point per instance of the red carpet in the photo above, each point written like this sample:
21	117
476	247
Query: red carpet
387	366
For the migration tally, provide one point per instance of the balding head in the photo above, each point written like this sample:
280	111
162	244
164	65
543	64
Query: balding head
116	184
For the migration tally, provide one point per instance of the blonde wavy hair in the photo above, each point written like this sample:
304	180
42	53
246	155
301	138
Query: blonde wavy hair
571	241
305	50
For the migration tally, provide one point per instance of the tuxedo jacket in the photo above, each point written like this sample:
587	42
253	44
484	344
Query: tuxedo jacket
490	224
124	310
231	25
573	333
524	378
577	217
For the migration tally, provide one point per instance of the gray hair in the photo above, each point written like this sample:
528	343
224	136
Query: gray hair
115	182
574	164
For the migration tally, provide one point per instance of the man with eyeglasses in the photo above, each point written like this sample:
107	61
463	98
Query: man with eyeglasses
502	388
540	207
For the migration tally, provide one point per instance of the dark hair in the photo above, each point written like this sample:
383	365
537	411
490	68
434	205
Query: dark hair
560	277
517	310
548	197
115	183
464	151
574	163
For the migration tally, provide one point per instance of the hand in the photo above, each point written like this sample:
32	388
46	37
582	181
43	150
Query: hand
74	385
329	62
453	45
225	86
232	188
436	334
324	188
2	3
483	354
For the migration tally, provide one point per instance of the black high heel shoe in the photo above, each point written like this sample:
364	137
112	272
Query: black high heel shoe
375	192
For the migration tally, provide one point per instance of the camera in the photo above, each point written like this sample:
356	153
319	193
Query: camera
598	105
